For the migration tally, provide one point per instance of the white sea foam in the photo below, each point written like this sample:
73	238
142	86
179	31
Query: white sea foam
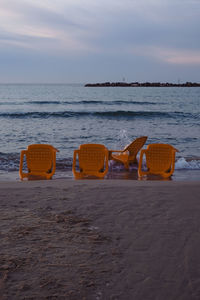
190	165
181	164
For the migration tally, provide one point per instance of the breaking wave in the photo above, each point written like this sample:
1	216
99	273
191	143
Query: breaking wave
84	102
183	164
103	114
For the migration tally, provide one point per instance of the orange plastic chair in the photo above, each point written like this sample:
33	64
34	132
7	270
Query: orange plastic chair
128	155
93	161
40	161
160	160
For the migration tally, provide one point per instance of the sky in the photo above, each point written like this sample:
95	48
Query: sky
81	41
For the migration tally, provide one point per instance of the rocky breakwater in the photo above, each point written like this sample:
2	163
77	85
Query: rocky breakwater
142	84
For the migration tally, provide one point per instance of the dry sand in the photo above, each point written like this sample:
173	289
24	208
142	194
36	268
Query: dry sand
100	239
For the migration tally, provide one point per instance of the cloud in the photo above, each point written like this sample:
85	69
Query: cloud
181	57
98	26
83	32
32	25
168	55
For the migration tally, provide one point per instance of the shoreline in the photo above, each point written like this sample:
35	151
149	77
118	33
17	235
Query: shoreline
179	175
72	183
99	239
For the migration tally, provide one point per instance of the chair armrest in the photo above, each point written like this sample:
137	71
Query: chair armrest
49	176
166	175
76	174
106	162
173	161
111	151
21	174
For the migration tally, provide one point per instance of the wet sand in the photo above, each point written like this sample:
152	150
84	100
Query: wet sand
100	239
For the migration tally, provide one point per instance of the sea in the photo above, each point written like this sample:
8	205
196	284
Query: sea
67	115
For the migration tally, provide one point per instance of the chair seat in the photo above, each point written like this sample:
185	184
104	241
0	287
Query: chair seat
120	157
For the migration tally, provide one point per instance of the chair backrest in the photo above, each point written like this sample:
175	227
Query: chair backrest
159	157
92	157
135	146
40	157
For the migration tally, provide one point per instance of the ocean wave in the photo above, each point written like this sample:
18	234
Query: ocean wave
183	164
102	114
115	102
9	103
84	102
42	102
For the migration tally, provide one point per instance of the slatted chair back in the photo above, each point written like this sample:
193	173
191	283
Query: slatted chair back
135	147
93	160
40	160
160	159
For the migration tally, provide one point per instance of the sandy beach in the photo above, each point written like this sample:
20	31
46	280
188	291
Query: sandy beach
100	239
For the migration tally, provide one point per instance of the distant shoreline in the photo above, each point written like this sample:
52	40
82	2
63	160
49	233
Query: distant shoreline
142	84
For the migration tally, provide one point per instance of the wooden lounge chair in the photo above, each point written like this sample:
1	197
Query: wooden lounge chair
160	160
129	153
93	161
40	161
